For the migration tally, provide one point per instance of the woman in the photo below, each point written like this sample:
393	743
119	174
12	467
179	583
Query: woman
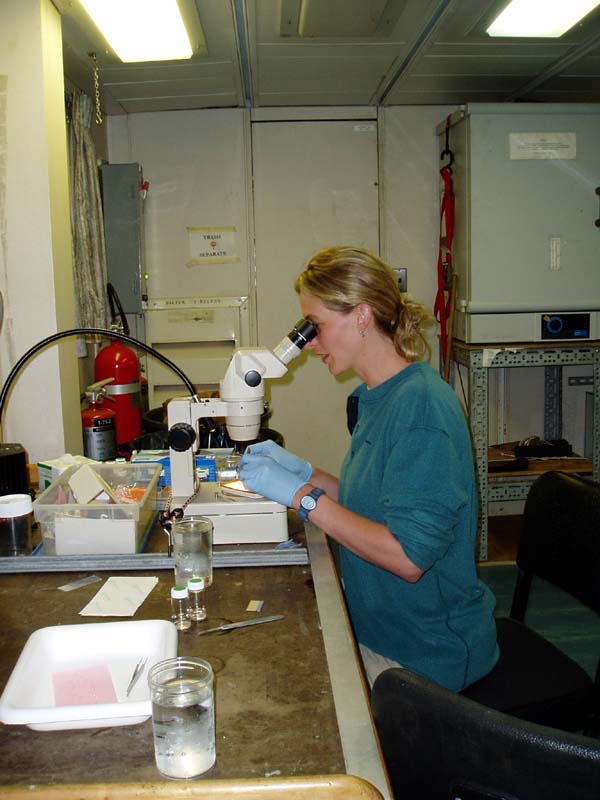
404	509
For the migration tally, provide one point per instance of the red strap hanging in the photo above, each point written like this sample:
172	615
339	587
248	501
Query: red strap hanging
443	297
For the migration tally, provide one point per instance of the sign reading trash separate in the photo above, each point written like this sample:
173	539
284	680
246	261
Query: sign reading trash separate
212	246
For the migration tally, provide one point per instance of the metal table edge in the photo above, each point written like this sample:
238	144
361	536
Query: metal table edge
360	745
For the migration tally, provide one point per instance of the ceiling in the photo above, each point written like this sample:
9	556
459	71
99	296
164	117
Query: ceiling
261	53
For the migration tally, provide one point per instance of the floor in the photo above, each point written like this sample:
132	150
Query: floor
564	621
567	623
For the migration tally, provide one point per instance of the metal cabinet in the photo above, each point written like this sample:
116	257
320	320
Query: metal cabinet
122	202
479	359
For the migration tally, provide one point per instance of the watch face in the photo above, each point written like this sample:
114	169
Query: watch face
308	502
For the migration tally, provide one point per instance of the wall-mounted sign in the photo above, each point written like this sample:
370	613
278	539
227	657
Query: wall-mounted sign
212	246
529	145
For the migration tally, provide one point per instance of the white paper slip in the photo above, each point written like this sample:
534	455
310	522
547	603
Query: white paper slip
119	597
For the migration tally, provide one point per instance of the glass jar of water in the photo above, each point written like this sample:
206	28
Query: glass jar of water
183	717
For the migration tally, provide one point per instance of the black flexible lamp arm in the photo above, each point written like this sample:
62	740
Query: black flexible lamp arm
83	332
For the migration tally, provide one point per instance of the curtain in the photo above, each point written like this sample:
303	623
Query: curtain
89	253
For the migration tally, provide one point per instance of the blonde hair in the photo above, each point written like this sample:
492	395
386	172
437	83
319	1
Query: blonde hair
342	277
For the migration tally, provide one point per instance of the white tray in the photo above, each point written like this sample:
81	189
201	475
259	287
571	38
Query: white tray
28	698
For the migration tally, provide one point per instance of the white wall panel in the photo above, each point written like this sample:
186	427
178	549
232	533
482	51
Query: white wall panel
316	185
410	198
197	164
36	278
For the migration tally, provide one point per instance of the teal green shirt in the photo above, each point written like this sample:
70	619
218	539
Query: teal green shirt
410	467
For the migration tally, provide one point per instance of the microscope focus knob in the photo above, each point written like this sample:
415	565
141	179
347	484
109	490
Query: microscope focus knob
252	378
181	437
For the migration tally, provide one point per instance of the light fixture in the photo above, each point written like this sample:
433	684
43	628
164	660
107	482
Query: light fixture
533	18
142	30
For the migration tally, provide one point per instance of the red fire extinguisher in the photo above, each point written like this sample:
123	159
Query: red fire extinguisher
119	362
99	439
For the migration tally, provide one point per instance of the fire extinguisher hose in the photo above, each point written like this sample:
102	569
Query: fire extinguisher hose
83	332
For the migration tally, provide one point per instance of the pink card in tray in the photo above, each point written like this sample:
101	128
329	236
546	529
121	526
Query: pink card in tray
85	686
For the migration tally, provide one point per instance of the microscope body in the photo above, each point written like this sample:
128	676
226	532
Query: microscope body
241	403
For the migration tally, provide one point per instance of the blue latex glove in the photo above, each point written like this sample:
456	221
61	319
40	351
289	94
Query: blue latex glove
287	460
264	475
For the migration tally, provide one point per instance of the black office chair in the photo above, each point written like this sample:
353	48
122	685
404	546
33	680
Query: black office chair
560	543
439	745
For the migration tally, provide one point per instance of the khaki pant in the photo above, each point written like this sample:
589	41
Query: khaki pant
374	663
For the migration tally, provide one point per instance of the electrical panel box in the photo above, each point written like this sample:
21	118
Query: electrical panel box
122	204
526	249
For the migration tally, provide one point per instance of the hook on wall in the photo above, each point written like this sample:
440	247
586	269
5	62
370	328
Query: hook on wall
447	152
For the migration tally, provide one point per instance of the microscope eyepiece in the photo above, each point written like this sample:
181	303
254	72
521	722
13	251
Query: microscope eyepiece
303	332
291	345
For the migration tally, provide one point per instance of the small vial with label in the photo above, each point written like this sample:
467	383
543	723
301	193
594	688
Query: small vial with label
196	592
180	608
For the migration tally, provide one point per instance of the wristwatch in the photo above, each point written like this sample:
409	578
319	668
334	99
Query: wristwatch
308	503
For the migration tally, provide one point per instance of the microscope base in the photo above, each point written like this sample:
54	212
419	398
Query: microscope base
238	520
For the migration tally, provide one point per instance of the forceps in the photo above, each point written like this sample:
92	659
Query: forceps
139	668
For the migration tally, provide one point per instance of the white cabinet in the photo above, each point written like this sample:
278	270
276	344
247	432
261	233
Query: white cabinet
527	246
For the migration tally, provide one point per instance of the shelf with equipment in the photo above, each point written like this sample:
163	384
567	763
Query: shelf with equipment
478	359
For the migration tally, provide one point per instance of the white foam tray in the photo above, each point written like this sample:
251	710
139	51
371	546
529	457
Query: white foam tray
28	698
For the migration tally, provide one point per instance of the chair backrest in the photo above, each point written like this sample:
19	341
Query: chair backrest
560	541
440	746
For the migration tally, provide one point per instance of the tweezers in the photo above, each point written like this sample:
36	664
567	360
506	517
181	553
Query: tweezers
139	668
229	626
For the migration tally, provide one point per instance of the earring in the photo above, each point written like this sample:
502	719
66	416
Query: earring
361	321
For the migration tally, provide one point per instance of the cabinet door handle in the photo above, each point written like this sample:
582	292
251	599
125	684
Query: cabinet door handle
597	221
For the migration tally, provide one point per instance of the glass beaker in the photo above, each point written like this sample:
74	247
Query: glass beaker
192	539
15	525
183	716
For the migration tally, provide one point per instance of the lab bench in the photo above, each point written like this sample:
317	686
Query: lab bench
290	697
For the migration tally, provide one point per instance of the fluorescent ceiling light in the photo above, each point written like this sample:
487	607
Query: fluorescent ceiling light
141	30
536	18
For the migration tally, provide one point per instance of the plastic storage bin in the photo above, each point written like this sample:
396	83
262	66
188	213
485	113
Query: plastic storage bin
69	528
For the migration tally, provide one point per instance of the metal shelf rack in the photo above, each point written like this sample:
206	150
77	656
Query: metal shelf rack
479	359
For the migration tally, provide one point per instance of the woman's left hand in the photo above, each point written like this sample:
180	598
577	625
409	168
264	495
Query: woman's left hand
265	476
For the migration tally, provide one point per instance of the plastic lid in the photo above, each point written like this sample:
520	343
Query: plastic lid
15	505
196	584
179	592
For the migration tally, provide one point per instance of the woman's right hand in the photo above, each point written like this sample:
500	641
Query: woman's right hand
303	469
